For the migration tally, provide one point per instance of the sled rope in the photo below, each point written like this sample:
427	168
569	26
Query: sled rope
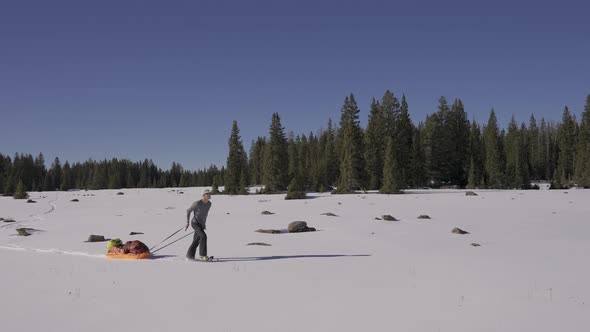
171	242
165	239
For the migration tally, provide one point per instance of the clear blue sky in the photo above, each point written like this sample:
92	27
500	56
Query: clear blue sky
164	79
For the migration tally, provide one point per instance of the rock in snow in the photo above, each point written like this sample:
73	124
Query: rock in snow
23	231
458	230
96	238
299	227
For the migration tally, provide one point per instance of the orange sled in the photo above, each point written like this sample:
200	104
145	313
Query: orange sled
129	256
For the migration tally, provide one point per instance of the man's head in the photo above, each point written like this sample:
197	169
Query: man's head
206	195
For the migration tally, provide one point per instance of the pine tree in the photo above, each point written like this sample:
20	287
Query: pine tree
438	148
351	158
4	166
429	142
163	181
392	175
315	163
236	163
582	170
114	182
276	159
472	181
403	141
131	180
40	171
256	160
56	174
418	161
535	150
476	157
20	192
524	157
331	163
66	181
566	146
375	145
457	128
493	170
545	171
99	177
390	109
295	190
293	153
513	173
244	180
304	162
214	186
9	186
184	180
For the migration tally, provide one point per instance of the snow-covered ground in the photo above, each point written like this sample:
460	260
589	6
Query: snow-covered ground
531	272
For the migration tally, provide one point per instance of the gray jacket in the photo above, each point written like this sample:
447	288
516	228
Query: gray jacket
200	210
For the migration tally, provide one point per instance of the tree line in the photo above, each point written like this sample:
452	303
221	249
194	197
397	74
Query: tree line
392	153
31	174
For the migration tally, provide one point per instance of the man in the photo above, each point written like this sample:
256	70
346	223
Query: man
200	210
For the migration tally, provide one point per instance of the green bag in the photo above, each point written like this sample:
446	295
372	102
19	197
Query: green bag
114	243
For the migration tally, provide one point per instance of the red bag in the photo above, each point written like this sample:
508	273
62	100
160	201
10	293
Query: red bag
135	247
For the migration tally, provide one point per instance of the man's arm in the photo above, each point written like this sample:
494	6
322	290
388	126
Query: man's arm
188	214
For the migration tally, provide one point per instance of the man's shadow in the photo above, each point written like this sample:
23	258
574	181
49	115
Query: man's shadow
266	258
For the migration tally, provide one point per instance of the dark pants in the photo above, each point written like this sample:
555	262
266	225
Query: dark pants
199	240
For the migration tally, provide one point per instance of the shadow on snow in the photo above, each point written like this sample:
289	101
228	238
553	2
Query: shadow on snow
266	258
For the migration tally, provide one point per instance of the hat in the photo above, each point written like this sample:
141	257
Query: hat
206	192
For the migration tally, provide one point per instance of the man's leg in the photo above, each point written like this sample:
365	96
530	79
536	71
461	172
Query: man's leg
202	238
193	248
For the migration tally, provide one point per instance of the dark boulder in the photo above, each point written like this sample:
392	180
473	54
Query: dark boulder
470	193
24	231
329	214
389	218
135	233
299	227
258	244
31	201
476	245
424	216
75	200
120	193
96	238
267	213
458	230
